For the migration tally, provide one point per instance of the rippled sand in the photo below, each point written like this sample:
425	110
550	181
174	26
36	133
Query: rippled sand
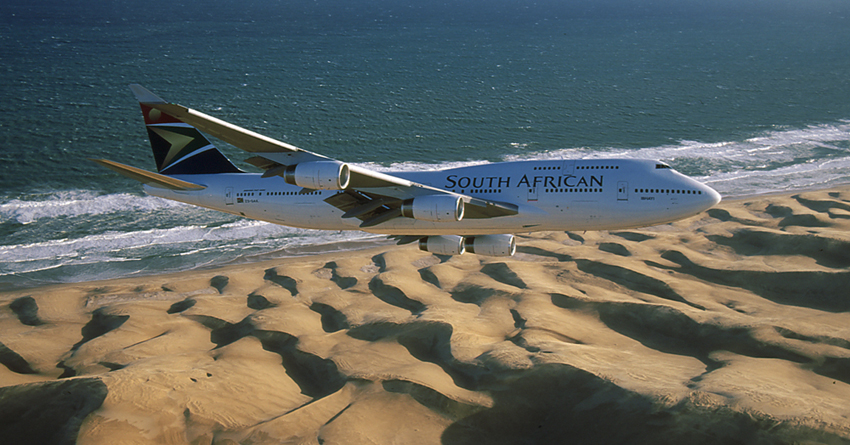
729	326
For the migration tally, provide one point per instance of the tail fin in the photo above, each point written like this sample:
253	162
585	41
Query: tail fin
179	148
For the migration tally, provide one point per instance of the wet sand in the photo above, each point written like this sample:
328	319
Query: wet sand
729	326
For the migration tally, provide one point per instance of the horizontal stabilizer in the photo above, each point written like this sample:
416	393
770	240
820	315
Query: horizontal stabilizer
150	178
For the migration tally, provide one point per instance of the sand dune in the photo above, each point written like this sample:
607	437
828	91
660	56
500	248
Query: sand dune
731	326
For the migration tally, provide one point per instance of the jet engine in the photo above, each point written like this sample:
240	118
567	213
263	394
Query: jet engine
434	208
319	175
491	245
442	245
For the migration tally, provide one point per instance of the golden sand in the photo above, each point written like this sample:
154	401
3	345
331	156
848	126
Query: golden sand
729	326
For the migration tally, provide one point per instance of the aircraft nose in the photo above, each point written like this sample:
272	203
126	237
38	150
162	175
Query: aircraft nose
712	198
712	195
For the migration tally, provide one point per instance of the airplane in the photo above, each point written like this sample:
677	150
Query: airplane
476	209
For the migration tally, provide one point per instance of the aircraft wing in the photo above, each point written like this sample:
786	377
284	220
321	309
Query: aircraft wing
366	187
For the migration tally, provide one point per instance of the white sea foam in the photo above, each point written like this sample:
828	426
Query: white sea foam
775	161
418	166
816	173
772	142
105	242
783	145
198	243
245	232
79	203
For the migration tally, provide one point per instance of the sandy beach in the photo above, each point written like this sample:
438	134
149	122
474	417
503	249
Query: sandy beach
728	327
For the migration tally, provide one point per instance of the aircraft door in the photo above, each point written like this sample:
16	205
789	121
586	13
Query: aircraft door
532	194
622	191
228	196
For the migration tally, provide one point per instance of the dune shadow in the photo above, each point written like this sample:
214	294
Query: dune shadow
633	236
428	276
339	280
394	296
219	282
477	294
283	281
427	341
258	302
14	361
27	311
822	206
181	306
668	330
825	291
827	252
615	248
837	368
828	340
557	403
789	218
380	262
332	319
50	412
543	253
315	376
431	399
634	281
671	331
503	274
101	322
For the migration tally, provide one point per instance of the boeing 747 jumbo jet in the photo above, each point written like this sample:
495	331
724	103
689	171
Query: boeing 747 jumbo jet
475	209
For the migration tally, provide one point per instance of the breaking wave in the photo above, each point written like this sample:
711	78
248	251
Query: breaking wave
78	203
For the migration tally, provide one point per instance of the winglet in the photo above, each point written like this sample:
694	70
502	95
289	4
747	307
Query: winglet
144	96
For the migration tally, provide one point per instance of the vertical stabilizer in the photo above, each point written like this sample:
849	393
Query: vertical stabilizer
178	148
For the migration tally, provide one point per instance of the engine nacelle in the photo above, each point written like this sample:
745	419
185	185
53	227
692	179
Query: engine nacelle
442	245
491	245
319	175
434	208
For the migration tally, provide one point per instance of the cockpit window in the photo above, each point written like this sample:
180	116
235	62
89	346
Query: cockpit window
659	165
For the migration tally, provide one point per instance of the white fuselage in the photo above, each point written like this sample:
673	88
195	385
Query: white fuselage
561	195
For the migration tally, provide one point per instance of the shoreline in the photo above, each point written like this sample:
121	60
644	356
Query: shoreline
732	323
308	250
297	251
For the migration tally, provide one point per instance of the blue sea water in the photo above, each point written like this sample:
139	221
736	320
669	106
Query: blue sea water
749	96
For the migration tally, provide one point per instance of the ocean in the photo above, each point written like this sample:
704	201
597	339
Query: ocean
748	96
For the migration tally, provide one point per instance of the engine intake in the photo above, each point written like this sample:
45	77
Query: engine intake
319	175
434	208
442	245
491	245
